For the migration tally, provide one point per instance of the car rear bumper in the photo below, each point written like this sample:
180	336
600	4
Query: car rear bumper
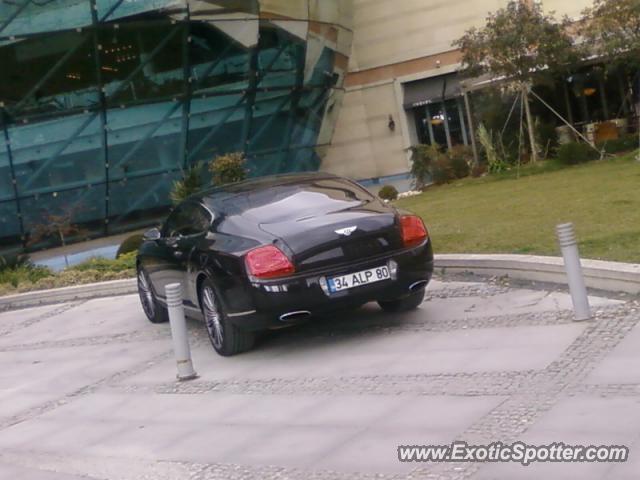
260	305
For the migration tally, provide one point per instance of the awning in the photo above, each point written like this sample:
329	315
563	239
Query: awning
429	90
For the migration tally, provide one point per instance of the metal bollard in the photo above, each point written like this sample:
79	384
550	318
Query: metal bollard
577	287
179	332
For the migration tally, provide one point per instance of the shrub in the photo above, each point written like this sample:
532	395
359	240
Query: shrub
441	170
478	170
190	183
546	137
228	168
573	153
625	143
130	244
388	192
125	262
8	262
24	272
460	158
422	160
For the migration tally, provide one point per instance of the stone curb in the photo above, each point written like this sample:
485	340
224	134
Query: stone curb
68	294
607	276
600	275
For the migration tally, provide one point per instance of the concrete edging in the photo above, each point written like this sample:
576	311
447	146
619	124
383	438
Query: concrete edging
68	294
607	276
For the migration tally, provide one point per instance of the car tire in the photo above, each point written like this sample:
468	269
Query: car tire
155	311
405	304
226	338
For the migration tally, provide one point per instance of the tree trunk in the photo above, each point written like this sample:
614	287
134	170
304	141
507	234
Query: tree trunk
530	126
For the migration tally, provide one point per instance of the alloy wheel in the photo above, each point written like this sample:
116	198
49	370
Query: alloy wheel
146	295
212	317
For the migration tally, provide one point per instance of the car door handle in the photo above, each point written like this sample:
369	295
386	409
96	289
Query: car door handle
177	253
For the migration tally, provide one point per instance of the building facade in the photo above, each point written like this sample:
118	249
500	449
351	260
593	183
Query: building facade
403	67
105	103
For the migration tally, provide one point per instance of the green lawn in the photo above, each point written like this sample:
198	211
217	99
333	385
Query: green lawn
503	214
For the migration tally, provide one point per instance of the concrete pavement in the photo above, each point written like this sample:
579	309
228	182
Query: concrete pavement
87	390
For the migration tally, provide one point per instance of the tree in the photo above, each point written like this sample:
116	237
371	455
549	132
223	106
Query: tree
59	227
611	29
518	43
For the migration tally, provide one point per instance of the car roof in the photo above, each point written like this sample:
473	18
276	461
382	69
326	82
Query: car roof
221	198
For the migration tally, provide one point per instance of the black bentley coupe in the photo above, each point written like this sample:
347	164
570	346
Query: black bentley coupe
270	252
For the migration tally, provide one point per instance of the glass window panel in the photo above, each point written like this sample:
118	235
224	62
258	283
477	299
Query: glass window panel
436	118
28	17
331	111
142	62
272	122
422	126
614	88
320	59
280	57
216	126
49	75
309	116
294	160
60	153
79	213
144	138
136	201
109	10
6	185
9	223
455	127
219	54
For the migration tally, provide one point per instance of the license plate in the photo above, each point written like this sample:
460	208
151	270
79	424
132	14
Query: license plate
357	279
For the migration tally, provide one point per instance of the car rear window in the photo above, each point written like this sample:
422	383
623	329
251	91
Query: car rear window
295	200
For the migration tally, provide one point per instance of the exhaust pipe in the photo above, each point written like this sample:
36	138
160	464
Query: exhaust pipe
296	316
417	285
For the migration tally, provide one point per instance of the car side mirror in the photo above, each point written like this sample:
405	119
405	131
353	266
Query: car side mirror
152	234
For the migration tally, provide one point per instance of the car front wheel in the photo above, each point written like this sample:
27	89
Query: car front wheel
226	338
410	302
153	309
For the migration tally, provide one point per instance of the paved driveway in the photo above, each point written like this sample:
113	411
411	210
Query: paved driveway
88	391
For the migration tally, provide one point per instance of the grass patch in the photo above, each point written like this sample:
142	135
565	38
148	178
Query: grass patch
502	214
27	277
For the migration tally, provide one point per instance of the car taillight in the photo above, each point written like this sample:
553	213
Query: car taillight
413	230
268	262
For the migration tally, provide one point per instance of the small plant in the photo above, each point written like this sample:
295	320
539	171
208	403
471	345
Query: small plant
130	244
495	162
388	192
190	183
573	153
60	227
460	157
228	168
